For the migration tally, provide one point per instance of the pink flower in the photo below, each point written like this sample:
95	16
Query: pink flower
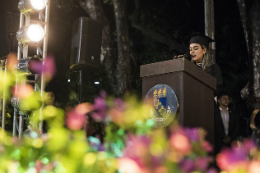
23	91
206	146
254	167
11	61
75	121
180	143
126	165
83	108
116	116
202	163
136	146
231	157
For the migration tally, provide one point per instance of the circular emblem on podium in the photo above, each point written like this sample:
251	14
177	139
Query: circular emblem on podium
165	105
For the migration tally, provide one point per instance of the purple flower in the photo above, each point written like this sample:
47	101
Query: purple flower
230	157
47	67
212	170
192	133
99	109
202	163
187	165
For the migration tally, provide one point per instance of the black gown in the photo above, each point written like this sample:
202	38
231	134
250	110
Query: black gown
215	71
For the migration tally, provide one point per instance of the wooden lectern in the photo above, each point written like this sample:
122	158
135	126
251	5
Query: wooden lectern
193	87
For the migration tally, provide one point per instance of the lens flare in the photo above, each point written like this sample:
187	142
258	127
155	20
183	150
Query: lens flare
35	32
38	4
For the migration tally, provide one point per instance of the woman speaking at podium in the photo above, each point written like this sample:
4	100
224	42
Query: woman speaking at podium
200	55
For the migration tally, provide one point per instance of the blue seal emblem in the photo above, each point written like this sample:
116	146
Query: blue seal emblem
165	105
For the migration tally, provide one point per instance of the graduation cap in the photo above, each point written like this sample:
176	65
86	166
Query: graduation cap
199	38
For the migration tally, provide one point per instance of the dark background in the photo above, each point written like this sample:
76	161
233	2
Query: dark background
172	18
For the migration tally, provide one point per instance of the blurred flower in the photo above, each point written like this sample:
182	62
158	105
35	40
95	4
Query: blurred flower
99	109
180	143
119	104
83	108
75	121
206	146
23	91
187	165
230	158
11	61
192	133
212	170
126	165
116	116
254	167
136	146
201	163
47	67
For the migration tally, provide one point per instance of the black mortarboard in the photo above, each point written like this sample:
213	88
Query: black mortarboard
199	38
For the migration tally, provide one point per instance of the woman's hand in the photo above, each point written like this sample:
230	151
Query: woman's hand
178	56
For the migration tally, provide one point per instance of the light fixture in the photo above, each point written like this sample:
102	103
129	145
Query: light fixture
68	80
24	66
32	34
31	6
96	83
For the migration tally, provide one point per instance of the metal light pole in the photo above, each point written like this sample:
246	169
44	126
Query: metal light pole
45	47
27	8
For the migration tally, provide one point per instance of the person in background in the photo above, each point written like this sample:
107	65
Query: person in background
227	124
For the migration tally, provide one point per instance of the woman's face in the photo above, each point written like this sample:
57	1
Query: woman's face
196	52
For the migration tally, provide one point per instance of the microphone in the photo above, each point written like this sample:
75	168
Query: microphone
181	56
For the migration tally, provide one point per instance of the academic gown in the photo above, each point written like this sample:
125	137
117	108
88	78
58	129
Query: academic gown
215	71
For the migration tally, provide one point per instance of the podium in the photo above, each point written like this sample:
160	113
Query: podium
194	89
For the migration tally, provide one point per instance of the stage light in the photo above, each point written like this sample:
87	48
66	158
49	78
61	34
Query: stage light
32	34
96	83
24	66
38	4
68	80
31	6
35	32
